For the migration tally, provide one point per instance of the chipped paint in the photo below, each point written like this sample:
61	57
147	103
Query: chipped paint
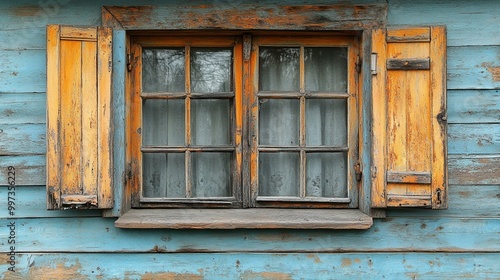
61	271
170	276
27	11
346	262
494	70
315	257
266	275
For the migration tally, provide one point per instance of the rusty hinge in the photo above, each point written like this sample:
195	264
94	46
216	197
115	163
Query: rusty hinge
359	63
357	170
129	62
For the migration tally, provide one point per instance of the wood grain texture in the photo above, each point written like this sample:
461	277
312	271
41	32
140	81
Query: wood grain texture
242	17
30	169
255	266
22	139
244	218
473	106
472	170
468	23
20	108
405	234
473	139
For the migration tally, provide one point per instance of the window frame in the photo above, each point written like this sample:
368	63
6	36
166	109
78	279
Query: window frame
340	18
245	72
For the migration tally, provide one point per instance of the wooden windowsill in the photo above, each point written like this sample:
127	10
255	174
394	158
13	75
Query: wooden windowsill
255	218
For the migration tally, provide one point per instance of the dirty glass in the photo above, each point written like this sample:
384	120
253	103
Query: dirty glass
163	175
278	174
279	69
163	122
211	174
211	70
325	69
326	175
163	70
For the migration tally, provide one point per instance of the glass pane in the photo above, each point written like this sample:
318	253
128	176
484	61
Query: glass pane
210	122
326	175
279	122
163	175
325	69
163	70
279	174
163	122
211	70
279	69
211	174
326	122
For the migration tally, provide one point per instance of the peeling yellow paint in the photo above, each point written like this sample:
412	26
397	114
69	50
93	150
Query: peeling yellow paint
315	257
171	276
346	262
494	71
266	275
60	272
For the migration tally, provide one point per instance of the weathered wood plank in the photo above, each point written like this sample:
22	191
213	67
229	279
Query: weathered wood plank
30	203
247	16
473	139
253	266
244	218
468	23
23	71
17	108
474	170
410	234
474	67
408	64
30	170
464	201
22	139
473	106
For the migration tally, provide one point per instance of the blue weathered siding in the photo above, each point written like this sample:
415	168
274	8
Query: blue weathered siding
461	242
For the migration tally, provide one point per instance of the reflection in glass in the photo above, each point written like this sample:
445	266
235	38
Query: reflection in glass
326	175
279	122
210	122
326	122
211	174
279	69
163	122
211	70
163	70
279	174
325	69
163	175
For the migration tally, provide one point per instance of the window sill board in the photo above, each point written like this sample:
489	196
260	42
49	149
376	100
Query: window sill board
256	218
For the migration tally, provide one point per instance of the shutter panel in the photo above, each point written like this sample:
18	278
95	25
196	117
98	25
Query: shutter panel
409	118
79	159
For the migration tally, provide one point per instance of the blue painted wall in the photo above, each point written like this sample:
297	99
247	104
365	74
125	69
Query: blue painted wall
463	241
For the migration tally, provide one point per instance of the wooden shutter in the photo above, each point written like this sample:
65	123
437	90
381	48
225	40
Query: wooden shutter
409	118
79	159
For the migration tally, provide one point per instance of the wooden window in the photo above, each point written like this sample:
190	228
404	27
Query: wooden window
184	114
186	117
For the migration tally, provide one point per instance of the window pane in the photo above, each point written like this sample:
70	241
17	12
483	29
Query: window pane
326	122
163	122
211	174
211	70
210	122
279	122
326	175
279	69
279	174
325	69
163	70
163	175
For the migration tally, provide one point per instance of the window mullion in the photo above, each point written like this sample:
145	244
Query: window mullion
302	128
187	125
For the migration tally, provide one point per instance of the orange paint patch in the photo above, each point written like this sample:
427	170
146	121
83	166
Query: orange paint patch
346	262
170	276
266	275
315	257
26	11
61	271
494	71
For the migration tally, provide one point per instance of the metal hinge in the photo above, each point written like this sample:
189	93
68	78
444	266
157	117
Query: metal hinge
129	62
357	171
373	64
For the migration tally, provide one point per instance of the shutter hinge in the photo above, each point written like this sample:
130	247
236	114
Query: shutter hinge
129	62
359	64
357	171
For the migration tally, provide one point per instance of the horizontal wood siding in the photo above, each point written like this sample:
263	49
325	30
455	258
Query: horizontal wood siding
461	242
256	266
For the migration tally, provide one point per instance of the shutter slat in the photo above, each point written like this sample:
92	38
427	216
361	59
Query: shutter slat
409	136
78	117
